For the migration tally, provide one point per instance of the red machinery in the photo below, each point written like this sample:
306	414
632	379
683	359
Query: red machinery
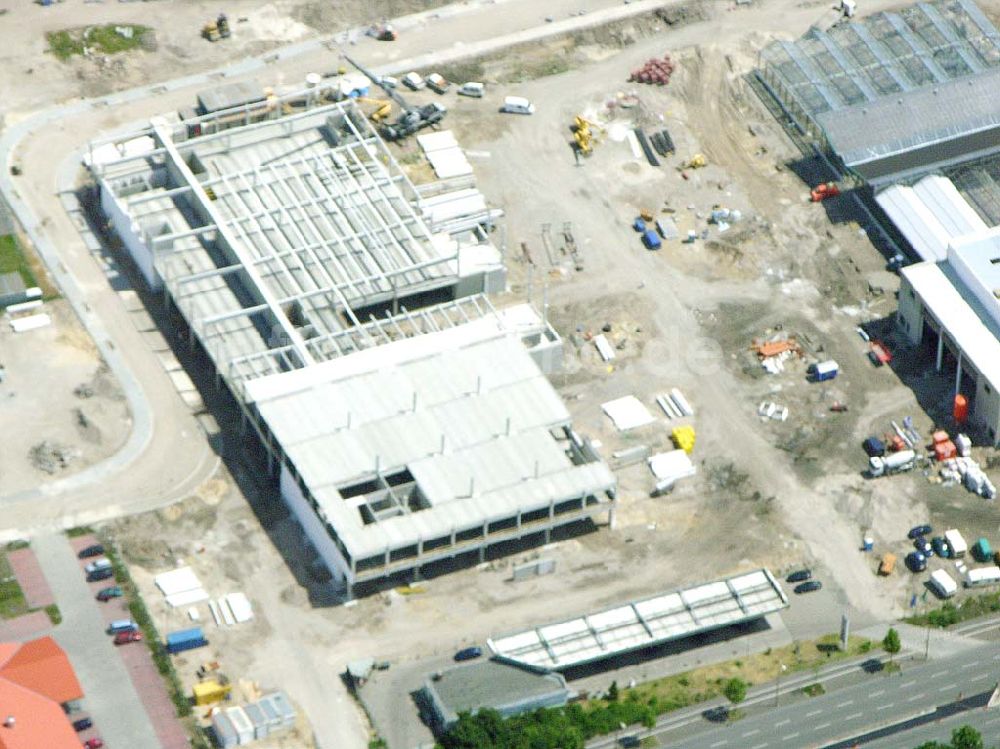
654	71
824	191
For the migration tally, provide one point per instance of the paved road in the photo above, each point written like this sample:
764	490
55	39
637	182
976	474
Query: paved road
109	697
856	710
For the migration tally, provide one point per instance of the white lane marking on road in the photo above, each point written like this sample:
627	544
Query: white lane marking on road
876	694
884	707
751	733
947	687
785	722
979	676
719	743
760	746
916	697
852	717
845	704
907	684
821	726
939	673
814	712
996	657
790	736
971	665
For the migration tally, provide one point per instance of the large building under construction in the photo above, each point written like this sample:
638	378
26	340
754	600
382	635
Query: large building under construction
346	310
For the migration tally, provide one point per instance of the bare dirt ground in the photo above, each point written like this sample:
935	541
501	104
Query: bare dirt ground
61	407
35	78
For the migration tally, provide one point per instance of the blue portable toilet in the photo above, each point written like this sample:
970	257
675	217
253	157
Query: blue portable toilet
639	225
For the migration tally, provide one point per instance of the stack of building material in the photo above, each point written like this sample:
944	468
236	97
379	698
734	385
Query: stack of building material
233	608
669	467
683	438
654	71
968	471
771	410
627	413
445	155
605	349
674	404
181	587
774	353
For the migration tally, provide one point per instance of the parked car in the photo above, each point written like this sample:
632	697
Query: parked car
122	625
808	587
629	742
517	105
94	550
941	547
920	544
916	561
920	530
93	744
475	89
82	724
98	564
800	576
106	594
123	638
467	654
104	574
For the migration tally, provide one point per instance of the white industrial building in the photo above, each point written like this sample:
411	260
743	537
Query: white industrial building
950	302
345	309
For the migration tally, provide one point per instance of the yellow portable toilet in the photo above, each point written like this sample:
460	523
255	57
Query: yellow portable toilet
210	692
683	438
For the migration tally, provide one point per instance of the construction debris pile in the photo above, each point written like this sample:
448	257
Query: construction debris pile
774	352
49	457
654	71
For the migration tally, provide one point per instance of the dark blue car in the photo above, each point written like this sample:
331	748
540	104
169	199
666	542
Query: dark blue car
467	654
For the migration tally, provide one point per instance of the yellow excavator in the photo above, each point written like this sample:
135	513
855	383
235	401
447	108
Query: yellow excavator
583	135
382	108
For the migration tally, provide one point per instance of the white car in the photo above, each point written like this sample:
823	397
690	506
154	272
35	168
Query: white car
413	81
517	105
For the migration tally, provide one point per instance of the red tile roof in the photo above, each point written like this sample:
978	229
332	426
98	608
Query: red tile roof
35	679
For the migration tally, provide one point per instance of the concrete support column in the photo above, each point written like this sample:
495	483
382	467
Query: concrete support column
940	351
958	374
482	554
612	517
548	535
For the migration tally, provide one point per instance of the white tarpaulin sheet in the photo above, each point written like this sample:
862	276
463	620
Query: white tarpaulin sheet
670	466
187	597
627	413
180	580
240	607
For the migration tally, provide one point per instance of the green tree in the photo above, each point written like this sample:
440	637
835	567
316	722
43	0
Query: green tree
934	745
613	692
966	737
735	690
891	643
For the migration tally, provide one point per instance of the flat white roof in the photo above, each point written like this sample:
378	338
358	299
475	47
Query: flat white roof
461	422
939	295
931	215
645	623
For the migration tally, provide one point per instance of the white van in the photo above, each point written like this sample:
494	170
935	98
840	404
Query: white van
413	81
517	105
980	576
473	88
943	583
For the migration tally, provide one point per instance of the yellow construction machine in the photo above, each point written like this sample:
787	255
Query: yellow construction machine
382	108
583	135
695	162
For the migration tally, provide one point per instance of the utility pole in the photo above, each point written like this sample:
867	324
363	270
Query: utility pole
777	684
927	645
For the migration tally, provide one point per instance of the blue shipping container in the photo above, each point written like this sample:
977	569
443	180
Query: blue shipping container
824	370
185	639
651	239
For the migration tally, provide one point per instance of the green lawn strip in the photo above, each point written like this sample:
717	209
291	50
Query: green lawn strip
948	614
12	260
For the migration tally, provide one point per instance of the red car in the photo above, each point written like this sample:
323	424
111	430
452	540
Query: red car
123	638
93	744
